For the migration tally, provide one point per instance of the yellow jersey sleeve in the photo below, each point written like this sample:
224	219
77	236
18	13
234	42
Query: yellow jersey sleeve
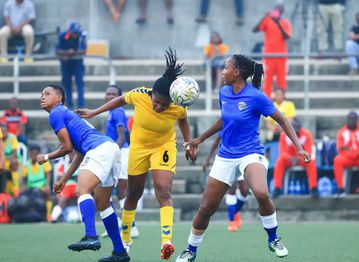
24	171
14	143
47	167
135	94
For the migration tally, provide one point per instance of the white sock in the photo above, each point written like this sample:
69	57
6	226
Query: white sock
194	240
241	197
231	200
121	202
107	212
269	221
56	213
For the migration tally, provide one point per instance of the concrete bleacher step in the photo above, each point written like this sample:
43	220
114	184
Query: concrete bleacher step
178	186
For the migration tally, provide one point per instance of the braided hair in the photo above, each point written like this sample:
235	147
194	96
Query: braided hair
248	68
173	70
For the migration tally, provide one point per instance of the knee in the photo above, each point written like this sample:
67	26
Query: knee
205	212
28	31
262	195
133	193
163	193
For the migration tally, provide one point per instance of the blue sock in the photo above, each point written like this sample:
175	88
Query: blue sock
88	211
109	219
239	205
272	233
192	248
231	210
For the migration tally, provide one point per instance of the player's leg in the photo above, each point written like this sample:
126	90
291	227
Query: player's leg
281	164
242	197
340	163
67	193
231	201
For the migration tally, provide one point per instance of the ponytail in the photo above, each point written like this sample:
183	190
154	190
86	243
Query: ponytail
257	75
248	68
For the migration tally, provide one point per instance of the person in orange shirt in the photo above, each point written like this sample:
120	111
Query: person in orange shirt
216	50
276	32
288	157
348	150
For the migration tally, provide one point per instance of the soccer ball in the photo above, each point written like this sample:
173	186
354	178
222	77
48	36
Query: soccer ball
184	91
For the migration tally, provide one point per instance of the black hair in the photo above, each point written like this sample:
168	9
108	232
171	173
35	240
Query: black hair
248	68
219	36
173	70
35	148
60	91
119	90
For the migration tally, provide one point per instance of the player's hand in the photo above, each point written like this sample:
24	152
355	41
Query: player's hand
40	158
193	143
84	113
59	186
305	156
191	153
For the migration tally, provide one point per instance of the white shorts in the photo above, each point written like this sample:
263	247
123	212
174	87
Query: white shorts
226	169
124	163
104	162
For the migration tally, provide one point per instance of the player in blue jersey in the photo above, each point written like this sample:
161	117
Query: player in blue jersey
98	159
240	150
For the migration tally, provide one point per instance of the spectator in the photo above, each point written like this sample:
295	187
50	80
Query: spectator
288	157
15	120
2	165
286	107
331	13
70	49
18	14
352	46
11	162
276	32
115	10
348	150
216	50
204	6
37	176
143	16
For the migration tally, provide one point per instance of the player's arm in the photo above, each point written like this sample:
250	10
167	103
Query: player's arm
121	136
64	148
211	152
257	27
286	35
289	130
116	102
186	133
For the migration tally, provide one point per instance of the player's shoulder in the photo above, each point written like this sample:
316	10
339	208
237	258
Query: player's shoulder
141	90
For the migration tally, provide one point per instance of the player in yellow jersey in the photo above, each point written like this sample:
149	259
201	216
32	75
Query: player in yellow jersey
153	147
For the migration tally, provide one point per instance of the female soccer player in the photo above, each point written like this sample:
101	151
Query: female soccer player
152	147
99	157
240	150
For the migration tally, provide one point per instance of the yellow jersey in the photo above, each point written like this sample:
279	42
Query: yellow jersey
35	168
0	134
152	129
287	108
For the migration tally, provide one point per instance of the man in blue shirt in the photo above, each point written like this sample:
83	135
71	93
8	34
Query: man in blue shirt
70	49
98	160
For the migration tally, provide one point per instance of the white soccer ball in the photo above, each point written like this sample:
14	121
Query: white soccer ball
184	91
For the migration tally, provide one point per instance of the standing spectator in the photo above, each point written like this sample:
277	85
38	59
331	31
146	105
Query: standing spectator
70	49
352	46
276	32
15	120
11	161
143	16
288	157
216	50
348	150
204	6
331	13
284	106
115	10
37	176
18	15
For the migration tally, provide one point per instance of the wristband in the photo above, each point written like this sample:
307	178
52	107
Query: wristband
46	157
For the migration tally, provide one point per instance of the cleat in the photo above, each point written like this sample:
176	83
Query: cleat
167	250
134	232
186	256
277	247
232	226
86	243
116	257
238	220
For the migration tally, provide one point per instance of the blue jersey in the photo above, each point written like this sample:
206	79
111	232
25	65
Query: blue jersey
83	135
241	115
116	118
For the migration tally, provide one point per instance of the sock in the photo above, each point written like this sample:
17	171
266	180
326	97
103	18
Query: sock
128	216
133	224
16	183
270	226
121	202
109	219
88	210
231	201
166	215
240	201
48	209
194	239
56	213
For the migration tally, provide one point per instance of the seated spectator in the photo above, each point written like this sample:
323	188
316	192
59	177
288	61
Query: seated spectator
216	51
286	107
288	158
115	10
11	161
348	150
69	191
18	15
352	46
143	16
70	49
2	165
204	6
37	176
15	120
